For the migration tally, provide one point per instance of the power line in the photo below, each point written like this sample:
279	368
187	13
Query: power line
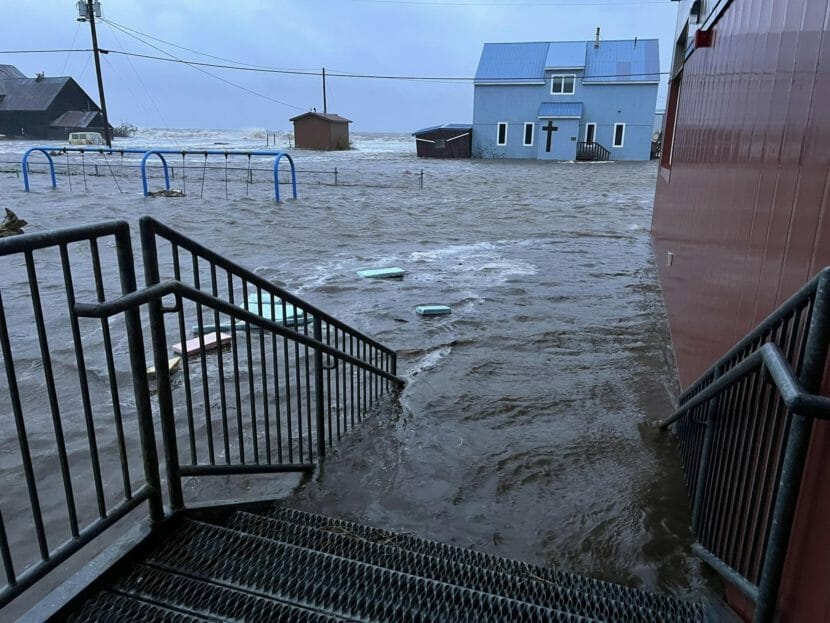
365	76
197	67
54	51
513	4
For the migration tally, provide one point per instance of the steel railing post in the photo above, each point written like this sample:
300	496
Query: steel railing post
795	455
318	390
165	392
705	454
135	338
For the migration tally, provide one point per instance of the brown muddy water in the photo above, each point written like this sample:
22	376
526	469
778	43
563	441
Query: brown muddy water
527	426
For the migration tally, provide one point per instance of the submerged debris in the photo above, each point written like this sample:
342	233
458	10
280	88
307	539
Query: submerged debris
167	193
11	225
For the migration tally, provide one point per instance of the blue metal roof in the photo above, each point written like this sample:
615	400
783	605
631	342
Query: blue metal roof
560	110
512	62
613	61
446	126
622	61
565	54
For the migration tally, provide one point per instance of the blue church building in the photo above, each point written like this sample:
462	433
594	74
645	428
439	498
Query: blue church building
566	100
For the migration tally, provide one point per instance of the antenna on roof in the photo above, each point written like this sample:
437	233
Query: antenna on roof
596	43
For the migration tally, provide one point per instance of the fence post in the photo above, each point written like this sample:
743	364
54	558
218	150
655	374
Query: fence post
335	176
318	390
421	178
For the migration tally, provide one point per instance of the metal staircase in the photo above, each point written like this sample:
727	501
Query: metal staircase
281	564
290	383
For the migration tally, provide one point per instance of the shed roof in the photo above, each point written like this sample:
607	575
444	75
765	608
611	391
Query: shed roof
560	110
631	60
623	61
446	126
30	93
328	117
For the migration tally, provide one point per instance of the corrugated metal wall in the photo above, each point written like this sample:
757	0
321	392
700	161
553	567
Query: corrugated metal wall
744	210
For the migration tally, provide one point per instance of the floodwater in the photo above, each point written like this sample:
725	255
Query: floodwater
527	425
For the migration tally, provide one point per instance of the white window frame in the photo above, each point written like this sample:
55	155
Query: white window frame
532	134
614	136
587	125
563	91
498	128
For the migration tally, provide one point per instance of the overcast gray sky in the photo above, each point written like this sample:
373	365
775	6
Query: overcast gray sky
389	37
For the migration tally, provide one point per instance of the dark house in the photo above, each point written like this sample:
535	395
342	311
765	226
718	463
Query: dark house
44	108
314	130
451	140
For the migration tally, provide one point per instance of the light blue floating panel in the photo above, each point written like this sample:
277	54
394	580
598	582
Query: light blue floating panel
292	317
382	273
432	310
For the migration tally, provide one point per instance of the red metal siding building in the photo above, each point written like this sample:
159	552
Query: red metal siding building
741	215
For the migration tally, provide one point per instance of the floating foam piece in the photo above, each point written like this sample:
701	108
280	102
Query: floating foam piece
192	347
292	316
211	328
172	364
382	273
432	310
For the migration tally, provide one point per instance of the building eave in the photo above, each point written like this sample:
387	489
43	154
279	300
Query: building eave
591	82
513	83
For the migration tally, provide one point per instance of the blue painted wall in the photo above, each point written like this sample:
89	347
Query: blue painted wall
603	104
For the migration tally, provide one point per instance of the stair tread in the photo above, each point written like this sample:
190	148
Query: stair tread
525	587
345	587
114	607
202	598
676	609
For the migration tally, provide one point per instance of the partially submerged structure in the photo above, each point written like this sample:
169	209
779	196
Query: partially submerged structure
45	108
451	140
324	131
566	100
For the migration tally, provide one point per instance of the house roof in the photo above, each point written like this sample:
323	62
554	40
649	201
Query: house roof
565	54
446	126
623	61
632	60
75	119
10	71
512	62
328	117
30	93
560	110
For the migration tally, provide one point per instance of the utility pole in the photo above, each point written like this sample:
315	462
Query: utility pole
325	108
87	11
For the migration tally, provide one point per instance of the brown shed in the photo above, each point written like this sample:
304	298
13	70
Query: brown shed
314	130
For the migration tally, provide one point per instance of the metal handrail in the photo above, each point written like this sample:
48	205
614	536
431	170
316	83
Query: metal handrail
151	227
591	150
156	292
739	444
346	381
133	496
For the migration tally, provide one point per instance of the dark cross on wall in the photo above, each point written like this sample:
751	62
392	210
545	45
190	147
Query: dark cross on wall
550	129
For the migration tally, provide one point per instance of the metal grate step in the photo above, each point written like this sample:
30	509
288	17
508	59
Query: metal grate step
288	565
200	597
332	583
662	607
526	587
112	607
